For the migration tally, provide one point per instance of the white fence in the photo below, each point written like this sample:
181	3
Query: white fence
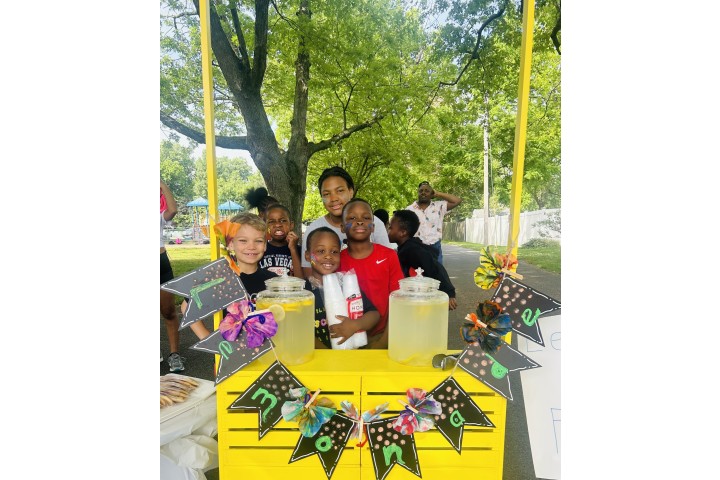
473	229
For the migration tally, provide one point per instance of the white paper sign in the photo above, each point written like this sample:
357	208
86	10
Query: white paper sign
541	389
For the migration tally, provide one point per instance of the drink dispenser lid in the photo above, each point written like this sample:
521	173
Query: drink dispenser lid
284	283
419	283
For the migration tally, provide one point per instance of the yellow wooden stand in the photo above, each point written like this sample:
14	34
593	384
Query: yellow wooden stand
366	378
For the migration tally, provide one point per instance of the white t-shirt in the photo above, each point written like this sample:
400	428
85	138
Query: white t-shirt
379	236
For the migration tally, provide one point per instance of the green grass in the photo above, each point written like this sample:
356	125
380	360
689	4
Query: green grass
547	258
186	258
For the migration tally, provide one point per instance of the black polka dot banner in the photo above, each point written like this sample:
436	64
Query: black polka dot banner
234	354
458	410
328	444
267	394
525	305
492	370
210	288
389	447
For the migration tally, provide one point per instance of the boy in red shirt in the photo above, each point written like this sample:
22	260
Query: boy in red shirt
377	267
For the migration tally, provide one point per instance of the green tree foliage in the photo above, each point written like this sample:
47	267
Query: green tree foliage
393	91
234	177
364	59
177	169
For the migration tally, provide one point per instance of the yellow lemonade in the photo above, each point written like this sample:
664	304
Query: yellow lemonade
418	329
295	337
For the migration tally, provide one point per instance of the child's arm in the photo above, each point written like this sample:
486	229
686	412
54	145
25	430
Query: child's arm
198	327
382	341
349	327
292	240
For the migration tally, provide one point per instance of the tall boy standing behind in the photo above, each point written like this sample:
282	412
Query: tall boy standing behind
336	189
377	267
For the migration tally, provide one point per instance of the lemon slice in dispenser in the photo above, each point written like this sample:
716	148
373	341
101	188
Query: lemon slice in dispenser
277	311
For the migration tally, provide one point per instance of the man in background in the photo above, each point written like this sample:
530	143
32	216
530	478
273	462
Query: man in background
431	214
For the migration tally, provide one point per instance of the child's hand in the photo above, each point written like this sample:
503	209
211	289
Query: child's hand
292	238
343	330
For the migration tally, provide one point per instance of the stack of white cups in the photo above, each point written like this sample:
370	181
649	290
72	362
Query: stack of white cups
337	304
353	297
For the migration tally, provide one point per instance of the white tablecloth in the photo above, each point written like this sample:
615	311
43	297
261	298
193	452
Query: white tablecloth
187	446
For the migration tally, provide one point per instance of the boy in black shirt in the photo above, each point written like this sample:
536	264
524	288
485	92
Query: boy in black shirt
413	254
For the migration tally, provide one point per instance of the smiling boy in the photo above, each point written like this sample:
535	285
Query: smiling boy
377	266
247	247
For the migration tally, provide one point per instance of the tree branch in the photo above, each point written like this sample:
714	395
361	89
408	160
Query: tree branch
242	47
230	64
316	147
554	33
234	143
473	56
261	29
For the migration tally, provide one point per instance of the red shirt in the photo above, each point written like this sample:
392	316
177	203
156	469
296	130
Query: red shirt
378	275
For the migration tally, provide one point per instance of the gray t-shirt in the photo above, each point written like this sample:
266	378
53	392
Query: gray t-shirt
379	236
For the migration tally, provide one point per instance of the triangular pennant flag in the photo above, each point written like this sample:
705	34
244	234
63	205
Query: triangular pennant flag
328	443
389	447
210	288
267	394
458	410
524	305
234	354
492	370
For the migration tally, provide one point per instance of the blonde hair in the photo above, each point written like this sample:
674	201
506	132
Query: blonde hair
250	219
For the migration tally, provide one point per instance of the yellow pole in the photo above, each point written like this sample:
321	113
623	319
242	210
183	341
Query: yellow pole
521	123
209	125
209	138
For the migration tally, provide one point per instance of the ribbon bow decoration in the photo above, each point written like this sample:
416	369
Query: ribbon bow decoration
309	412
226	231
418	413
258	326
486	326
359	420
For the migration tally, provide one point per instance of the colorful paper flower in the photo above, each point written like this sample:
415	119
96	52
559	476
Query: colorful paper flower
486	326
418	413
226	231
309	412
489	274
367	416
257	326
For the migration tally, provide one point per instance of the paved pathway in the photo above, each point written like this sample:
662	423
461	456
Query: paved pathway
460	264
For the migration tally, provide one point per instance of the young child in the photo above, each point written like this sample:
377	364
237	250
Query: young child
377	267
283	251
323	253
260	199
244	236
413	254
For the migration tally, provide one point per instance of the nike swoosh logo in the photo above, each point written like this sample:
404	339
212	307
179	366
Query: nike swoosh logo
378	262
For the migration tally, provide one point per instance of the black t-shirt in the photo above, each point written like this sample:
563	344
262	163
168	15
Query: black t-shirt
255	282
413	254
276	259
